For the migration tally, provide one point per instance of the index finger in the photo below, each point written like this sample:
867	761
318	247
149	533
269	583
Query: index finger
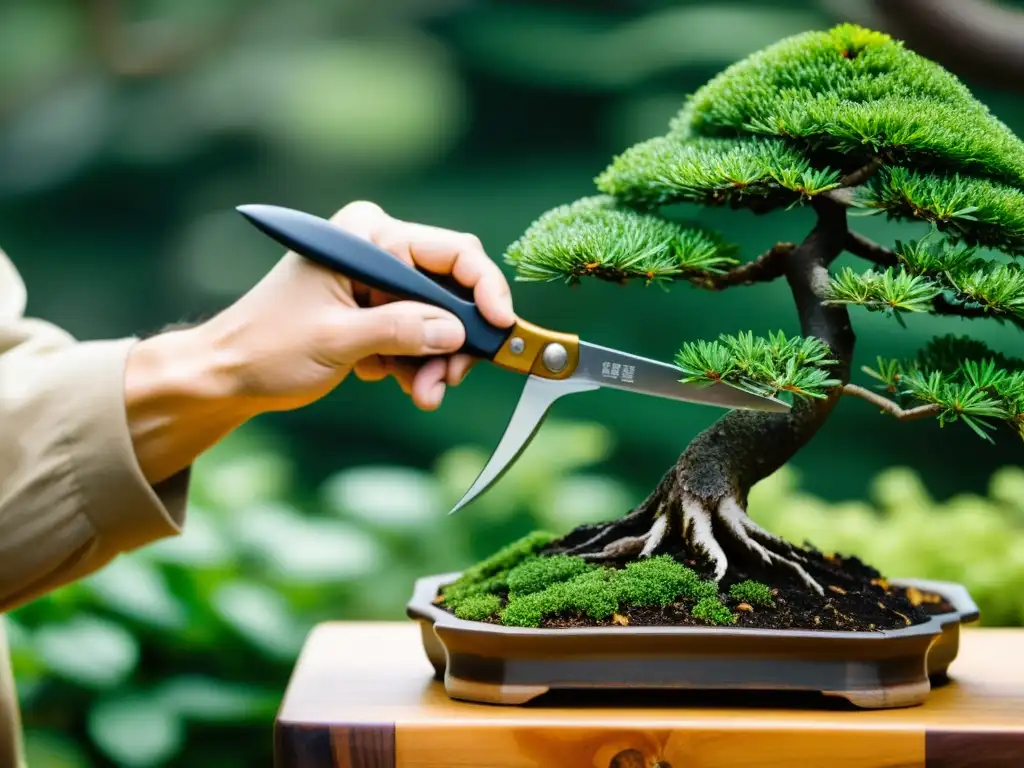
462	256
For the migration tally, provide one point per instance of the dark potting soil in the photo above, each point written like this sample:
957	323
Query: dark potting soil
856	598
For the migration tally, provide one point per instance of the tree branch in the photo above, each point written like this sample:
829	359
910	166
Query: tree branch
942	306
861	246
887	405
862	174
976	39
765	268
843	196
744	447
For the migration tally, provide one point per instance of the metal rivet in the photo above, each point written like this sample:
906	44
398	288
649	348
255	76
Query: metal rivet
555	357
517	345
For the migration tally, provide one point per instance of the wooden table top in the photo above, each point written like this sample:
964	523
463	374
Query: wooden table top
363	694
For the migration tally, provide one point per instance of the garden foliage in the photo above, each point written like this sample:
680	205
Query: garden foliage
195	637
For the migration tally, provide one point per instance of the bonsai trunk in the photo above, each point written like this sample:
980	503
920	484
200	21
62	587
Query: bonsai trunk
700	504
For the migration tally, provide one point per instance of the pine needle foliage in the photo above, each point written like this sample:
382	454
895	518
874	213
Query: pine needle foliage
928	270
764	172
859	93
777	366
597	237
975	211
847	115
968	381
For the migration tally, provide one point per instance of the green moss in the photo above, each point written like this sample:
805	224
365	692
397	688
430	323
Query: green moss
596	237
858	92
752	592
490	576
712	611
478	607
659	580
589	593
667	170
457	592
539	573
540	586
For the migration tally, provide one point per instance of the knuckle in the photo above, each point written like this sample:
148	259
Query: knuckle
359	209
401	331
470	241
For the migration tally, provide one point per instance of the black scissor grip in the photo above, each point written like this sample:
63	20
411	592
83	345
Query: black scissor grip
330	246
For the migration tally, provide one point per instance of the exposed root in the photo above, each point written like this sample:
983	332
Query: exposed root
746	532
655	536
643	545
706	530
697	530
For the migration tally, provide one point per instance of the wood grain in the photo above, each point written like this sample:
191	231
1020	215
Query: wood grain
368	688
338	746
974	749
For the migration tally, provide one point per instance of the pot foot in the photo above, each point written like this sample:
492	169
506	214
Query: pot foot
492	693
889	697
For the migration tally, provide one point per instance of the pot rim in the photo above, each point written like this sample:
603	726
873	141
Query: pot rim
421	606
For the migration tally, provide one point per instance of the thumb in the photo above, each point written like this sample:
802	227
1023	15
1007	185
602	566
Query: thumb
401	328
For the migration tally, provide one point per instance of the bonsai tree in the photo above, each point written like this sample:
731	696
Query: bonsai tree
841	121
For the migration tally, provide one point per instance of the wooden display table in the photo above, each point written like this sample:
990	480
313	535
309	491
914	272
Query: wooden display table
363	696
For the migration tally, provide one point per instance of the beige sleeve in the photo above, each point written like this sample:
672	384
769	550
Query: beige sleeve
72	495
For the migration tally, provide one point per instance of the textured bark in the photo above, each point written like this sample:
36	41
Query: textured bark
744	447
718	469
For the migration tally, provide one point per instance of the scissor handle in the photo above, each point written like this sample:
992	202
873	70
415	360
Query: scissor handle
330	246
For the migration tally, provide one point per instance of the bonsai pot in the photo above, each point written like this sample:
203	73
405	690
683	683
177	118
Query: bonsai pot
491	663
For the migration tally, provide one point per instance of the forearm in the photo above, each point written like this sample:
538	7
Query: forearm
181	398
72	494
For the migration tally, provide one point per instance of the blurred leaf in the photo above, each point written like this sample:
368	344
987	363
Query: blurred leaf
389	497
559	449
261	616
136	731
1007	486
377	104
210	700
134	588
210	258
55	138
245	480
584	499
17	635
36	40
306	549
584	50
87	650
45	749
200	545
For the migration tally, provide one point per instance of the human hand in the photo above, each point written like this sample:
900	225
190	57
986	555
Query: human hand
299	332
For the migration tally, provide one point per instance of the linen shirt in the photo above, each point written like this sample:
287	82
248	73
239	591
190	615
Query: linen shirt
72	495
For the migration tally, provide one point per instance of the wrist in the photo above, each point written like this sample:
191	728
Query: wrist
181	397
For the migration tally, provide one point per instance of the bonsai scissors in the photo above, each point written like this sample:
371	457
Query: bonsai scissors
555	364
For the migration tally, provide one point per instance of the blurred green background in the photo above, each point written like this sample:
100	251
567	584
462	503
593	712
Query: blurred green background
128	134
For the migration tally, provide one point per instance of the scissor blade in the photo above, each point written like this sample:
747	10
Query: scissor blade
621	370
537	397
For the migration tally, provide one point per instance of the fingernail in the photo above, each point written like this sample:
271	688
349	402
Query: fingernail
437	393
443	334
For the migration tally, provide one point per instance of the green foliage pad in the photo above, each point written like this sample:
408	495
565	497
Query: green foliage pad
847	114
